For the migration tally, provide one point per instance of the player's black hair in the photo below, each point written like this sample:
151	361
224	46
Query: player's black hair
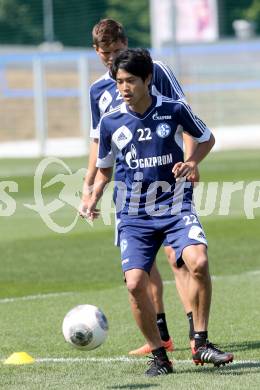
135	61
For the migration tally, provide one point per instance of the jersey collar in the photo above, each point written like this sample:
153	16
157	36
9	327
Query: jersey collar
108	76
156	102
159	100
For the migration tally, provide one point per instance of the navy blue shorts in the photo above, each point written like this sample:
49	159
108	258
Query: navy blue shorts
141	237
117	233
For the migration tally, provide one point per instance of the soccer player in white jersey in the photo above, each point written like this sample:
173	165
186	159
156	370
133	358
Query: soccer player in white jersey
151	154
108	39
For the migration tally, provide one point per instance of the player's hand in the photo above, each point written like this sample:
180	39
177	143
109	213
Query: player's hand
83	207
184	169
92	212
194	177
87	209
89	213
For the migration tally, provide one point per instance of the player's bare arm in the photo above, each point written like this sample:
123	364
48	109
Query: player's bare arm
187	168
190	146
103	177
90	176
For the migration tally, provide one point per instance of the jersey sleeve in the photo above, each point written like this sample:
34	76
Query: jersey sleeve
165	83
192	124
105	153
95	115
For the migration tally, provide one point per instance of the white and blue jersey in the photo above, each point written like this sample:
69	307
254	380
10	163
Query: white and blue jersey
104	96
147	147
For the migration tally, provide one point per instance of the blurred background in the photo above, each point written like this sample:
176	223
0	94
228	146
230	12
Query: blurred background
47	64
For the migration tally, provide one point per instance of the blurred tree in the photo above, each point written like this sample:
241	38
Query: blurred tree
135	17
20	21
253	13
230	10
74	20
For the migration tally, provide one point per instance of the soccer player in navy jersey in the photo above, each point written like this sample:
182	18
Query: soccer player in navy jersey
145	133
108	39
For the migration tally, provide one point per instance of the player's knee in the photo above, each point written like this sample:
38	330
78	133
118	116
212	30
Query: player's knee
201	267
170	253
174	266
134	286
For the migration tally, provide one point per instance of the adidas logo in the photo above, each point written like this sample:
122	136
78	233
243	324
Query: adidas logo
206	356
201	235
121	137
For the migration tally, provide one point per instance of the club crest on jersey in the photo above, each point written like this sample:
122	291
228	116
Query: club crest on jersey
163	130
121	137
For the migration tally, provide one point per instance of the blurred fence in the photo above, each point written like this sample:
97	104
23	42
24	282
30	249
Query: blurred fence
44	96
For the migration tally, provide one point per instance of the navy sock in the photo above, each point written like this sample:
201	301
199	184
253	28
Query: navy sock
200	338
162	326
160	353
191	324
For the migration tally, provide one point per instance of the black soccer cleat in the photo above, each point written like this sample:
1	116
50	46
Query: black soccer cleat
209	353
159	367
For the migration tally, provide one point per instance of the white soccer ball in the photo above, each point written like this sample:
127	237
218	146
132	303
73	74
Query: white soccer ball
85	327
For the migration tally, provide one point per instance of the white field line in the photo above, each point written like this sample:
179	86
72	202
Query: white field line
57	295
35	297
124	359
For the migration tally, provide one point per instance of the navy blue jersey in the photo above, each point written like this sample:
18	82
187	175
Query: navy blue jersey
104	96
147	147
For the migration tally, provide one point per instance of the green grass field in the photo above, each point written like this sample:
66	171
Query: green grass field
44	274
